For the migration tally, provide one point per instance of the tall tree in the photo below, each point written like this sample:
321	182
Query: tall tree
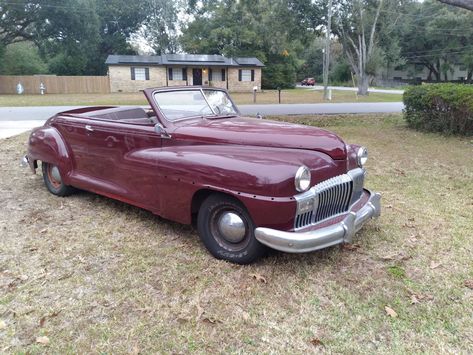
160	29
438	38
18	21
357	28
266	29
22	58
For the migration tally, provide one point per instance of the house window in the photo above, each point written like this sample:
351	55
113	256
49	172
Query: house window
177	73
246	75
462	68
216	74
139	73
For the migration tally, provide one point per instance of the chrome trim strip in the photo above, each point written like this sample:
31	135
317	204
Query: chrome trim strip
342	232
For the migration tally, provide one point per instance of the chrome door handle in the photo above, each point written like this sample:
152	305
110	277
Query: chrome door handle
88	128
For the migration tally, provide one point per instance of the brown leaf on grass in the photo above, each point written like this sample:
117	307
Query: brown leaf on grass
434	265
469	283
42	231
259	277
210	320
65	276
42	321
390	312
414	299
42	340
350	247
396	256
316	342
135	350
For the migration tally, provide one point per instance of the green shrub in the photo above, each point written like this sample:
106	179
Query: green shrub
446	108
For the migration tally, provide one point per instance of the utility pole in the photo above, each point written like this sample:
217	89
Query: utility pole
326	61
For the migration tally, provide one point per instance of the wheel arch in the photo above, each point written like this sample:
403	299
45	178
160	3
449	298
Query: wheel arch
202	194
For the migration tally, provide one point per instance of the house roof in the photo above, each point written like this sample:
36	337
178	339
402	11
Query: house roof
133	59
183	59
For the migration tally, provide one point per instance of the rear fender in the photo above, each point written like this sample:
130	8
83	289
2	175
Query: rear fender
47	144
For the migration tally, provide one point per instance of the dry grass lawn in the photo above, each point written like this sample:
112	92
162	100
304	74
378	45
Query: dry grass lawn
86	274
295	96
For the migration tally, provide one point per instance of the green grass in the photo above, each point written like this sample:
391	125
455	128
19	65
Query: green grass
295	96
110	278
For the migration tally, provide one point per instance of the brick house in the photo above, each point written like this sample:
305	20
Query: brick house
131	73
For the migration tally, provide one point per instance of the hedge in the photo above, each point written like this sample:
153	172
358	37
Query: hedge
446	108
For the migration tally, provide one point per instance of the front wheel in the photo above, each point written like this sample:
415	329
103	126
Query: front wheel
227	231
53	180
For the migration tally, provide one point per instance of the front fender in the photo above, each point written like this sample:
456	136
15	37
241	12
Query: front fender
261	178
47	144
252	170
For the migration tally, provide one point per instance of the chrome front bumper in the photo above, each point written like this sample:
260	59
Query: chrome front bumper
341	232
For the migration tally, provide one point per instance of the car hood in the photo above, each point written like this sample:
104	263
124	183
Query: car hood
265	133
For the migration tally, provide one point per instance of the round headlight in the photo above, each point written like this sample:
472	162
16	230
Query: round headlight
302	179
362	156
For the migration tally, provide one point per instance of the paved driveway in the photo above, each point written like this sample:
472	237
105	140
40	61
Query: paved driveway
15	120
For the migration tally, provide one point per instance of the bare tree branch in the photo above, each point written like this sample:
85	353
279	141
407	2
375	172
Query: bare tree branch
465	4
373	28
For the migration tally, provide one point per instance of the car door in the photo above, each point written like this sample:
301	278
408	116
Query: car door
122	160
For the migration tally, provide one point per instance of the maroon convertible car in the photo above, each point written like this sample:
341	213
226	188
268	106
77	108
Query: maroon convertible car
247	183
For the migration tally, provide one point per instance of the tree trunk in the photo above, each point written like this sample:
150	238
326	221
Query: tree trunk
429	77
438	72
363	81
469	76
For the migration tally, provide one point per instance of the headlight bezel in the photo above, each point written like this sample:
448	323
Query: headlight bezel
362	156
302	179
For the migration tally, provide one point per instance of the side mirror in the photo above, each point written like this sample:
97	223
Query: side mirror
159	129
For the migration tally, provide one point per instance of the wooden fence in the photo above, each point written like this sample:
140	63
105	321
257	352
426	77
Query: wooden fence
55	84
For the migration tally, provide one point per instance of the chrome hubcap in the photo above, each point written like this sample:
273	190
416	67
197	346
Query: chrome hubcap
55	174
232	227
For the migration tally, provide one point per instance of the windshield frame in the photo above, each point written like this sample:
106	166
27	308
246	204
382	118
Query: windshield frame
215	115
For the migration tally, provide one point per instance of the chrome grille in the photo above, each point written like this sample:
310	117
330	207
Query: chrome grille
329	198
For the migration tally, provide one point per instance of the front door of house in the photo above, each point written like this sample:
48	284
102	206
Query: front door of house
197	76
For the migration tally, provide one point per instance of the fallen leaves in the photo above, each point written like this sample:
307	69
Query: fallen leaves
396	256
3	325
259	277
390	312
414	299
434	265
42	340
417	297
469	284
316	342
350	247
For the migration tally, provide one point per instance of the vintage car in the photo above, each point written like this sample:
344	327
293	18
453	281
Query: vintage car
308	82
247	183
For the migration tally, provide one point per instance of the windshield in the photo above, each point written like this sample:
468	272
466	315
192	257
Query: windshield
181	104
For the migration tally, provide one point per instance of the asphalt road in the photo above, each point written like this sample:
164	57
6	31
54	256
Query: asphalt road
346	88
15	120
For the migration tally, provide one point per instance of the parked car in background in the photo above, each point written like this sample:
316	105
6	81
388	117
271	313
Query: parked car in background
308	82
246	183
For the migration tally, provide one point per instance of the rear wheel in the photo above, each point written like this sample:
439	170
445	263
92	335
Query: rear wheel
53	180
227	231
